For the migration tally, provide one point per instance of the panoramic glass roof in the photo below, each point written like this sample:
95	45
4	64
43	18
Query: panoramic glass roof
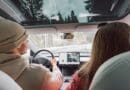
68	11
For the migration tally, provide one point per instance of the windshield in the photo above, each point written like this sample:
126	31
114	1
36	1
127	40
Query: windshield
55	42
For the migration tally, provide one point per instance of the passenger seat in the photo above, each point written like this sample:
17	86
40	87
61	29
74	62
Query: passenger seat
113	74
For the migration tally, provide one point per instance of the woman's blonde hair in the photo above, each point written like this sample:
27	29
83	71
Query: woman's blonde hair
110	40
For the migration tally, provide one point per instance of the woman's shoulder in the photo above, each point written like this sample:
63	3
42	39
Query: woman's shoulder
37	70
37	67
34	75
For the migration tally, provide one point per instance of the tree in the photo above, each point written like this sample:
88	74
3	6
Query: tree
73	17
66	20
89	5
69	19
61	20
102	7
34	7
31	9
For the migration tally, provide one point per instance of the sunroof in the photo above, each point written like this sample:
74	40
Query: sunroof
65	11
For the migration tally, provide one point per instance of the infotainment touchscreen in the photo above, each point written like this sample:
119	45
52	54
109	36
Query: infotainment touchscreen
69	58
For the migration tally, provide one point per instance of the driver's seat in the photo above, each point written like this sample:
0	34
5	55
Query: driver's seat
113	74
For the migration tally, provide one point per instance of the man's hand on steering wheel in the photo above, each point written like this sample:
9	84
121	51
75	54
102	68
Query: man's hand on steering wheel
53	62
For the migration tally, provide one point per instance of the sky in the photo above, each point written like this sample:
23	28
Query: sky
52	7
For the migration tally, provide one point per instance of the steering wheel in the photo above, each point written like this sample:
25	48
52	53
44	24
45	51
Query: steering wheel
41	59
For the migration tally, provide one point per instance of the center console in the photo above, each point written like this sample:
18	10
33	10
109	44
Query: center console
69	62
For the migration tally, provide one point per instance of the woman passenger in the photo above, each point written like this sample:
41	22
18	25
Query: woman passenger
110	40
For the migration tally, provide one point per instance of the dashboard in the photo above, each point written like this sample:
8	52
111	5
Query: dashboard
68	62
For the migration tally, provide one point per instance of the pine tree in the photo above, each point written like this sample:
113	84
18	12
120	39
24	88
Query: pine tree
73	17
32	9
69	19
89	5
61	20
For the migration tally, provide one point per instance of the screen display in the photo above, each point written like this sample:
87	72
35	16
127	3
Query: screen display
69	58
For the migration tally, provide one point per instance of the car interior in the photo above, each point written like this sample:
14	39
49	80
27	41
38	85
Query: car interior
64	31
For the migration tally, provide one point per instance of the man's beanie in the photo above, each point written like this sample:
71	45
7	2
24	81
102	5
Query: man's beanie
12	35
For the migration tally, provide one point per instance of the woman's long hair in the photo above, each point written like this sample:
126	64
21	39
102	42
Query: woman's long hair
110	40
